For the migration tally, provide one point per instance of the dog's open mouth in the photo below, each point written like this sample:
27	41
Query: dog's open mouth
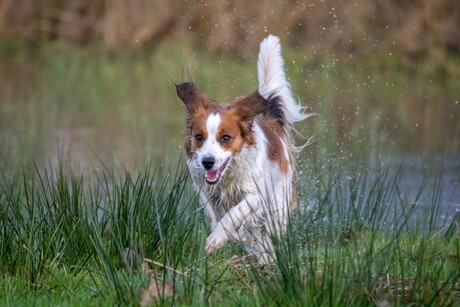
214	176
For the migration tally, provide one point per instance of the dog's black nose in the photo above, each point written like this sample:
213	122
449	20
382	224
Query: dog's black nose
208	162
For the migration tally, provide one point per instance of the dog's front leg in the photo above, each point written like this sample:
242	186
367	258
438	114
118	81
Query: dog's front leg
209	210
227	225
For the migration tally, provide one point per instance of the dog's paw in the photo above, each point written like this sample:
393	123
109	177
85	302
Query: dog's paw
215	240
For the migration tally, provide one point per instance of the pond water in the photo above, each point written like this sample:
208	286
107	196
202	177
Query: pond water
436	180
80	111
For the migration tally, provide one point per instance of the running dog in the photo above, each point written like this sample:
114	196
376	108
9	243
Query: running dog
241	157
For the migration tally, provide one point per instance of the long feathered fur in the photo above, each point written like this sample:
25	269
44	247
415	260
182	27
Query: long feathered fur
273	84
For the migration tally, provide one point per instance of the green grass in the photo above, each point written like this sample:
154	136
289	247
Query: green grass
355	240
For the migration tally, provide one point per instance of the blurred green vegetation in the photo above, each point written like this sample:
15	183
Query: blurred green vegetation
93	104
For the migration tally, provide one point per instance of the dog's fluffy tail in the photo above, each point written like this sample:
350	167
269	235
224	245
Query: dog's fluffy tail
273	82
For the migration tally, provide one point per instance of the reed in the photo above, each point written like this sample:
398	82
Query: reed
356	239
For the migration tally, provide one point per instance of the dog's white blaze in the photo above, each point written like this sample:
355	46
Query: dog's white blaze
211	146
212	124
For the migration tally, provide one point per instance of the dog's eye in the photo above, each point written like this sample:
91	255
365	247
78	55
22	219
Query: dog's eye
226	139
199	138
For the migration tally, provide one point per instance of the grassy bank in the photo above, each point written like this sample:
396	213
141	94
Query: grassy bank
355	240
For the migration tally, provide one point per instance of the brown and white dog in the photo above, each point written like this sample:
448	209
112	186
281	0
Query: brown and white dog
243	165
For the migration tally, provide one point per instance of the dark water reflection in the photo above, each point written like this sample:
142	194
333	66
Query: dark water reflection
402	193
437	182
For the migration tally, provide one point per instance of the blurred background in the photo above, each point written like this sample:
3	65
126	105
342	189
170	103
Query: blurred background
90	81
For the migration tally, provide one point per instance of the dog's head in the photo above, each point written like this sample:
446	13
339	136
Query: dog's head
216	134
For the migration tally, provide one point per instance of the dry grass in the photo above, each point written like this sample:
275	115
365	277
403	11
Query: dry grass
418	28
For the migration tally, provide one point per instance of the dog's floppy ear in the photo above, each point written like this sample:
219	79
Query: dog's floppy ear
191	97
248	107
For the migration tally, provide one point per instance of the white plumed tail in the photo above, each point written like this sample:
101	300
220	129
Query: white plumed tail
272	80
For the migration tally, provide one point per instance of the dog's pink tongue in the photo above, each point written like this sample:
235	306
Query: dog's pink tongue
212	175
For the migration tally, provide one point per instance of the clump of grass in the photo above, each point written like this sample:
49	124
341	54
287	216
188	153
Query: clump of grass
359	242
357	239
145	217
50	220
